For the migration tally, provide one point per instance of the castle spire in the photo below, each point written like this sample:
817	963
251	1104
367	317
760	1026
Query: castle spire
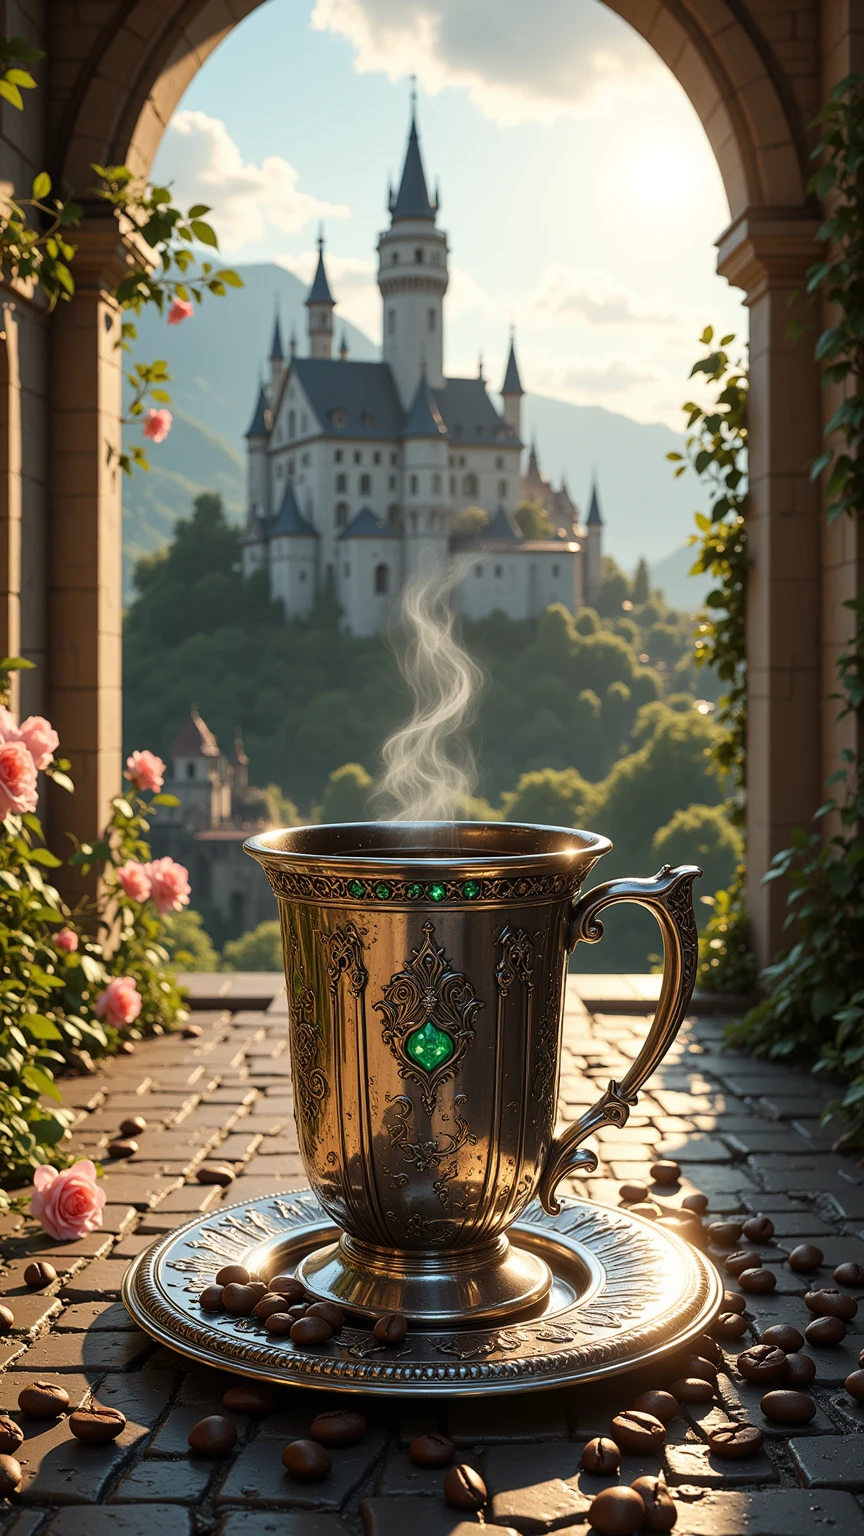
320	304
512	391
412	199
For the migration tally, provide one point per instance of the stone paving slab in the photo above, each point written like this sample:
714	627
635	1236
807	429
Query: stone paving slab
745	1133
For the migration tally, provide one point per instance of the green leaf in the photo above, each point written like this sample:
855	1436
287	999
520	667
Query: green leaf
204	233
45	857
165	799
41	1081
198	211
40	1027
11	94
41	186
63	780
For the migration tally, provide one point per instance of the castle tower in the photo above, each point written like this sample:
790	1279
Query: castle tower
257	470
593	547
412	277
276	360
512	391
424	461
320	304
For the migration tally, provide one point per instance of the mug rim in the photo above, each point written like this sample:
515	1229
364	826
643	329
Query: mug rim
481	847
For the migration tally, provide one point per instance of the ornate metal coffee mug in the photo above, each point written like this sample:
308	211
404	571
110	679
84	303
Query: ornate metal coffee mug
425	967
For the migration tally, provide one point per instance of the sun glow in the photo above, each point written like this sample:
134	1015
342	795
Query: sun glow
663	173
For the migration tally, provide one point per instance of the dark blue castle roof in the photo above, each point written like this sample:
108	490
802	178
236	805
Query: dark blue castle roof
365	525
289	520
412	199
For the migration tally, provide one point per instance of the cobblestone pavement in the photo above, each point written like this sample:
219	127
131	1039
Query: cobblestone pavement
746	1133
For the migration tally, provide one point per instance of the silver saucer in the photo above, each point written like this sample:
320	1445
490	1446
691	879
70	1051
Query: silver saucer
624	1293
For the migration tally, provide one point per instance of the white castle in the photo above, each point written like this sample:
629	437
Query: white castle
358	471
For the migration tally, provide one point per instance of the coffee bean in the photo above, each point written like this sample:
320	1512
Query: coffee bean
696	1202
133	1125
805	1257
694	1365
391	1328
730	1325
7	1320
788	1407
280	1324
757	1281
233	1274
339	1427
258	1289
732	1302
825	1332
97	1425
121	1149
287	1286
11	1436
213	1436
631	1194
692	1389
432	1450
665	1172
10	1476
741	1259
250	1397
854	1385
38	1275
662	1405
238	1299
309	1331
464	1488
297	1311
724	1234
268	1305
330	1313
210	1299
735	1442
601	1455
784	1336
829	1302
635	1431
215	1173
43	1400
647	1209
849	1274
798	1371
192	1031
758	1229
660	1511
616	1512
707	1349
762	1362
306	1460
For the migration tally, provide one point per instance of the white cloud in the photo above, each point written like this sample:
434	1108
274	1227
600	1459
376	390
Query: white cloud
518	62
590	297
204	165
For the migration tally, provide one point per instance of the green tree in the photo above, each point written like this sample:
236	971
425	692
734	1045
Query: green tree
614	589
703	835
534	521
471	522
555	798
258	950
641	583
188	943
346	797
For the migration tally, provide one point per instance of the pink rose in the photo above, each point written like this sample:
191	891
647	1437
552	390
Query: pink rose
40	739
180	310
120	1003
68	1204
169	885
146	770
67	939
157	425
135	880
17	779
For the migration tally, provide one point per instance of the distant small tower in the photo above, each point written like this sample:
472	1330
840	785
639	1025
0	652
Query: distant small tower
594	546
277	359
257	471
512	392
424	469
320	304
343	347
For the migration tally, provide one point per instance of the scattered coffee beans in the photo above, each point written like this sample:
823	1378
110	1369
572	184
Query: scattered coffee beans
306	1460
40	1274
43	1400
805	1257
798	1371
249	1397
120	1149
762	1362
732	1302
233	1274
635	1431
825	1332
784	1336
692	1389
724	1234
133	1125
11	1436
309	1331
330	1313
661	1404
432	1450
849	1274
213	1436
259	1288
758	1229
7	1320
239	1299
665	1172
660	1511
97	1425
268	1305
211	1298
391	1328
280	1324
215	1173
729	1325
339	1427
788	1407
287	1287
694	1365
743	1258
735	1442
464	1488
757	1281
707	1349
601	1455
854	1385
10	1476
829	1302
631	1194
616	1512
696	1202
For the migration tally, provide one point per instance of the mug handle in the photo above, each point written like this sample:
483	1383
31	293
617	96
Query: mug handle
669	895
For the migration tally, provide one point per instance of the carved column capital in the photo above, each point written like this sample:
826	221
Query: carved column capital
764	249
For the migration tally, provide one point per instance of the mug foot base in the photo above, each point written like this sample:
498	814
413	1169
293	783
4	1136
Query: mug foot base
497	1282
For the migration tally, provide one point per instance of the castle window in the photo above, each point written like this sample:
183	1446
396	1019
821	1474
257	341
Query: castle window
305	459
462	457
376	458
365	485
302	575
499	462
341	482
394	258
502	487
303	424
452	485
337	457
556	570
391	482
338	417
358	457
367	418
394	458
393	517
382	580
499	571
341	514
478	570
430	319
413	485
436	484
391	322
418	255
190	770
469	485
292	423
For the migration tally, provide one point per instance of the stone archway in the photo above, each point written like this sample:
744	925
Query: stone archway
755	71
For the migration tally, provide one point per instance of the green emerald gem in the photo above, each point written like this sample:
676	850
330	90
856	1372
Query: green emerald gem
435	892
429	1046
470	889
357	888
382	890
415	891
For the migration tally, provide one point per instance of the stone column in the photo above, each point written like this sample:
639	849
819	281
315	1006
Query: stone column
768	257
10	493
84	597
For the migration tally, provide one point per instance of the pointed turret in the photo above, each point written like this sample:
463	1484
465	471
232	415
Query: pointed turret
595	516
343	347
594	547
412	199
259	426
424	418
276	358
276	353
320	303
512	391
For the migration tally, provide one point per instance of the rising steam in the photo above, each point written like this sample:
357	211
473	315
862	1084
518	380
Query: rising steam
429	766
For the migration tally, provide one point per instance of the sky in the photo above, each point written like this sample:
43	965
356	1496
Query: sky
578	190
